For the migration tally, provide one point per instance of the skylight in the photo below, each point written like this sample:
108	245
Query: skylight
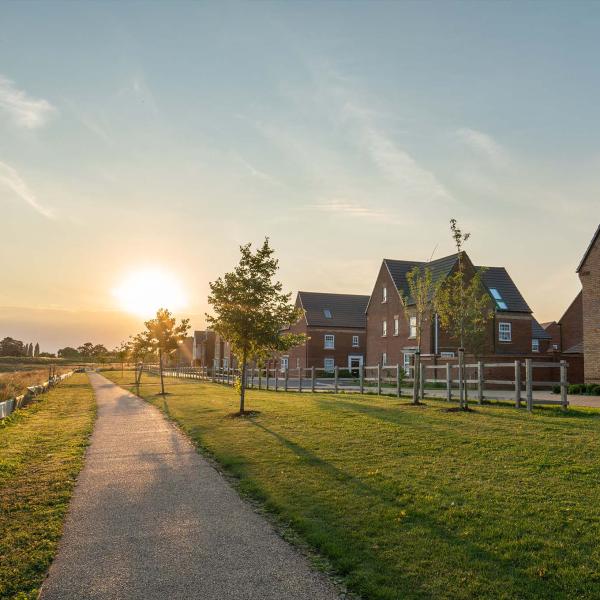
327	313
498	298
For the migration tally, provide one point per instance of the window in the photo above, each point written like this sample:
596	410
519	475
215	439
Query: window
284	363
329	364
297	363
384	294
329	341
384	328
412	327
225	363
554	346
327	313
447	354
396	325
535	345
505	332
355	343
384	359
498	298
407	361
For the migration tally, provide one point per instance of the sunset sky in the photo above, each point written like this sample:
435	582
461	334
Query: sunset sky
157	137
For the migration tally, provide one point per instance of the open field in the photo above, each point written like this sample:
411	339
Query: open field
409	502
41	453
14	382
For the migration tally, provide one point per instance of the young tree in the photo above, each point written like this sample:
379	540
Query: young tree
464	307
251	310
163	336
36	351
419	305
122	353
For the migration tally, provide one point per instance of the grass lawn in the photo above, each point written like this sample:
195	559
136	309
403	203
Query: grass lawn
41	453
413	502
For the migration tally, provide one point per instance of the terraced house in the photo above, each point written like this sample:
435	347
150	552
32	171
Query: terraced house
336	328
391	337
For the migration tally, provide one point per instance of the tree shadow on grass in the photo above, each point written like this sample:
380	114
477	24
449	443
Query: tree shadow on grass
496	568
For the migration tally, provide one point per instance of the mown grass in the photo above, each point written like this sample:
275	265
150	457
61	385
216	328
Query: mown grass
41	453
414	502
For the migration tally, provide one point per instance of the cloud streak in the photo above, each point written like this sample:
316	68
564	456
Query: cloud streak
22	109
10	179
485	145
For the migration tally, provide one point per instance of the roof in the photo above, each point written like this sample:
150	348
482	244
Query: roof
576	349
493	278
548	324
589	249
538	332
498	278
347	310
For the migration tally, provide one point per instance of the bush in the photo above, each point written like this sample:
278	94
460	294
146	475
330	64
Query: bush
556	389
576	388
593	389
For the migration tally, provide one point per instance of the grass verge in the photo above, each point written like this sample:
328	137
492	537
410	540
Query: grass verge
41	453
414	502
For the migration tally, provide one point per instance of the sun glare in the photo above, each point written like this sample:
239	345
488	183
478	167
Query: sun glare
144	292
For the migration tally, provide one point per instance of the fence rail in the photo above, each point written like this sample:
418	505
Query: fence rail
7	407
390	380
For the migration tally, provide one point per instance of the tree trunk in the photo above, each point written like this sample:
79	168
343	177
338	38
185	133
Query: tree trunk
416	376
160	368
243	382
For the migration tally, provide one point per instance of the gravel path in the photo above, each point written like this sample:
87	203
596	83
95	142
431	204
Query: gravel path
150	519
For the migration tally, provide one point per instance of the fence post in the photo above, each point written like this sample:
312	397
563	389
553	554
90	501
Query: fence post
517	384
361	378
285	379
312	379
421	380
336	372
479	382
398	384
259	377
300	373
276	377
448	382
378	379
529	383
563	385
462	399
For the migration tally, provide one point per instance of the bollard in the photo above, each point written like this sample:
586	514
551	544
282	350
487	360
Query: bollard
285	380
529	383
517	384
398	380
361	375
335	376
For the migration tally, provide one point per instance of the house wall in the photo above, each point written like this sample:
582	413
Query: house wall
313	352
555	331
571	324
520	336
589	274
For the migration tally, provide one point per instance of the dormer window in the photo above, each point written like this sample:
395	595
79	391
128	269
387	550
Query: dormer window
384	294
327	313
498	298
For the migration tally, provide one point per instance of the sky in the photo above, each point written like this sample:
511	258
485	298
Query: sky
162	135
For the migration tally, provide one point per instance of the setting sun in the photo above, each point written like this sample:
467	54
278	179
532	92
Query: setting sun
143	292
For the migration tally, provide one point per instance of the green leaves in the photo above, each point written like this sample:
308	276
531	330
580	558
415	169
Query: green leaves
162	333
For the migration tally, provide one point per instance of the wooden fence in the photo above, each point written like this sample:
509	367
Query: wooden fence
434	381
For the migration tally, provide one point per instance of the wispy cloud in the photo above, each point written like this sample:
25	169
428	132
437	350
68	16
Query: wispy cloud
343	207
11	180
21	108
485	145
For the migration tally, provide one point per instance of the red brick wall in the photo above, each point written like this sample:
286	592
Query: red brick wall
571	324
590	281
555	331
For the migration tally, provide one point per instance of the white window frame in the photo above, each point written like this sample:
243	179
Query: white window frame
358	357
384	293
284	364
383	359
355	341
447	355
384	328
396	325
329	341
412	328
406	362
535	345
329	365
504	331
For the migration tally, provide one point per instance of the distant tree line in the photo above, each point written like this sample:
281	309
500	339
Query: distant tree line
87	351
11	347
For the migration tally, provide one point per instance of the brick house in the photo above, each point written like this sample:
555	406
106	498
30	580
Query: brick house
223	357
392	338
541	339
203	351
589	275
567	333
336	327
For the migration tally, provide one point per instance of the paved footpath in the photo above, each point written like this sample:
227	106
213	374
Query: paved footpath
151	519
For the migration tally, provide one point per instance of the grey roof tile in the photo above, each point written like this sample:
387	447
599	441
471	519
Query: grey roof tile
347	310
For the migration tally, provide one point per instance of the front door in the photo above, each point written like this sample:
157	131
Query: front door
355	361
